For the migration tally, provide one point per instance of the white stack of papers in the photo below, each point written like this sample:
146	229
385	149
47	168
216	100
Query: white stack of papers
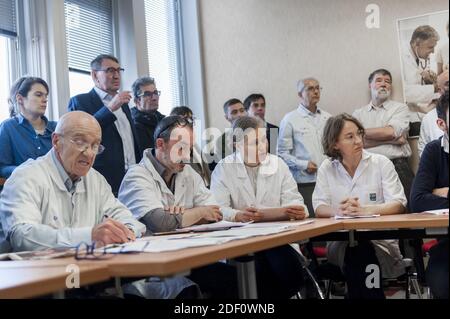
155	244
437	212
213	226
357	216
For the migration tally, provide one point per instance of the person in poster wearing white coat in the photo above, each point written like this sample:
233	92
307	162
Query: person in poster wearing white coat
253	185
419	80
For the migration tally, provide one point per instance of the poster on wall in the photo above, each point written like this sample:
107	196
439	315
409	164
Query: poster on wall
423	43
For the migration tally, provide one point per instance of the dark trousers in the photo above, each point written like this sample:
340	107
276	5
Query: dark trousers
307	189
278	276
278	273
437	270
355	262
216	281
405	174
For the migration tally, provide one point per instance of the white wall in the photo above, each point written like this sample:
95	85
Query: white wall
266	46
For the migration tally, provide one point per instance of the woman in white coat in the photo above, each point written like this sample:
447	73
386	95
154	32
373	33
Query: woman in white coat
355	182
253	185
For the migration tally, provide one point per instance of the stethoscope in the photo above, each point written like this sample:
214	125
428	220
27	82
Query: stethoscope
422	65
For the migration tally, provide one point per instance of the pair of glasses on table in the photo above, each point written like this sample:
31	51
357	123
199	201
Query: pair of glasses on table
98	251
93	251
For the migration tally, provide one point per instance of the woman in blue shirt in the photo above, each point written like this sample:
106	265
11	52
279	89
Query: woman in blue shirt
28	133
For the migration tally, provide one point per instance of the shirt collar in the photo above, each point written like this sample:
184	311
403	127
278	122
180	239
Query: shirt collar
70	185
102	94
365	156
267	167
23	121
161	169
305	112
371	107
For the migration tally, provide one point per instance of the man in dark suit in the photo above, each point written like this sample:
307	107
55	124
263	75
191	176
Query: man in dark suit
110	108
255	105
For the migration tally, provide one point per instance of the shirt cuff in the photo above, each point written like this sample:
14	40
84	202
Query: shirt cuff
83	234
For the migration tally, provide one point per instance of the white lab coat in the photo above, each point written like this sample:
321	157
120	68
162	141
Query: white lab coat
415	92
375	182
144	190
429	131
37	211
233	190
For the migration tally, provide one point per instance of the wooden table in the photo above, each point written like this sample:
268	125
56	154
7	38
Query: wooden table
397	222
172	263
25	281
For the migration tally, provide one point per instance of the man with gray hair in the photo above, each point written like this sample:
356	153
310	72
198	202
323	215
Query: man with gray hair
145	115
300	139
110	108
386	125
420	80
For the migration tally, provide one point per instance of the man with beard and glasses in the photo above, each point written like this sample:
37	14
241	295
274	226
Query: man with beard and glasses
386	125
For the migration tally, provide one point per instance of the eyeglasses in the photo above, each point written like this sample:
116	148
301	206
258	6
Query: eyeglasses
177	120
89	251
150	94
83	146
112	70
351	139
313	88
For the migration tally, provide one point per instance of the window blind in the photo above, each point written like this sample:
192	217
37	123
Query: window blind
161	19
8	23
89	31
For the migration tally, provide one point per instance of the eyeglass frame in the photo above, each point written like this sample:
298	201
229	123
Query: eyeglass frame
360	133
186	121
111	70
312	88
100	150
156	92
90	251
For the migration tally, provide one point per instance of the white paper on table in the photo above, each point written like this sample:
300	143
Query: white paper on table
287	224
437	212
166	244
213	226
183	241
357	216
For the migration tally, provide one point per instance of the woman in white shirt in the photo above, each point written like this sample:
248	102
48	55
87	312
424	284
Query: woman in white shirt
354	182
253	185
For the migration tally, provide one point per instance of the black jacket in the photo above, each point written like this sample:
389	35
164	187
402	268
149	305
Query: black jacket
145	124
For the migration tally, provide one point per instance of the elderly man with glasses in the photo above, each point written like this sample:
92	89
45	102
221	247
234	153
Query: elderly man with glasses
300	139
145	114
110	108
58	201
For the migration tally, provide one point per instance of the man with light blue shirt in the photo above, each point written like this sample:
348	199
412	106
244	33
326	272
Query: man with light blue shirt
300	139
